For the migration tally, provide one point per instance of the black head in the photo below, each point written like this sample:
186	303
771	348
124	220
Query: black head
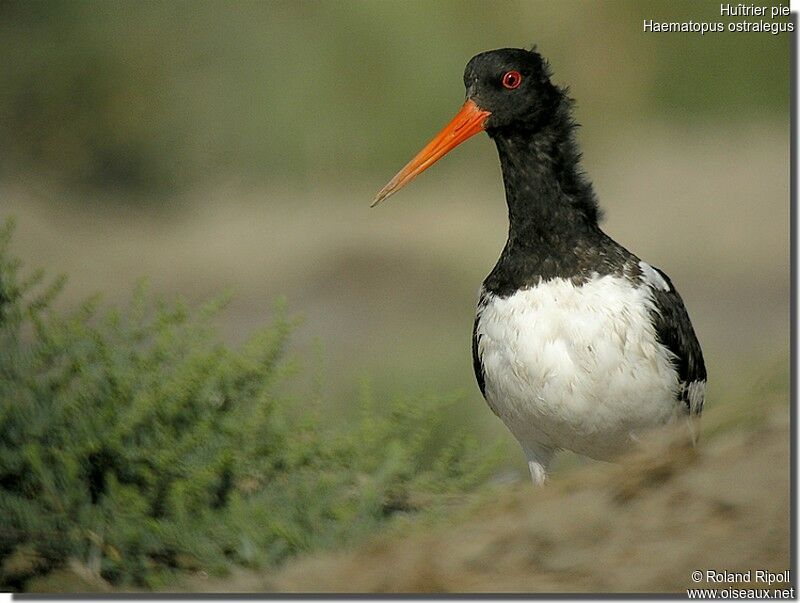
513	84
508	92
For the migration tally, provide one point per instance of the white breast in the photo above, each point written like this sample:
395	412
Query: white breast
576	366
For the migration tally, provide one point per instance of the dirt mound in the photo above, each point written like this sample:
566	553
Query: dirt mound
642	526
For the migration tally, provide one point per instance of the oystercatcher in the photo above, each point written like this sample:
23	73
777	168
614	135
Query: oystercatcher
577	343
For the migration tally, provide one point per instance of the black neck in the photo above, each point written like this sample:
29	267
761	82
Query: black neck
552	211
548	197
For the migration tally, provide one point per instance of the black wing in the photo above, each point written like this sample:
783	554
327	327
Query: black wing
675	331
477	365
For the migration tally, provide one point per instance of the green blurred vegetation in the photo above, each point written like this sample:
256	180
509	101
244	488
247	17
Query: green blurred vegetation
718	77
135	445
154	97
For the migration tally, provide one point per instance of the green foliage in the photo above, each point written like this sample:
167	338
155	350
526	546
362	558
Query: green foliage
134	444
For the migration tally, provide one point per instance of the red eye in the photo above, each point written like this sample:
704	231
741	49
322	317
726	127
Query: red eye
512	79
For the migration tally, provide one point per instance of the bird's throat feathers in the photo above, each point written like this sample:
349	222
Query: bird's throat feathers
546	191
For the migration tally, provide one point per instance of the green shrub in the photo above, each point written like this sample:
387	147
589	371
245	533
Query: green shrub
136	445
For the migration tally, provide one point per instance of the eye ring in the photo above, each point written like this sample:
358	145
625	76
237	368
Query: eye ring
512	79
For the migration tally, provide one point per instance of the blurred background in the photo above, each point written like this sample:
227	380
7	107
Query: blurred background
236	146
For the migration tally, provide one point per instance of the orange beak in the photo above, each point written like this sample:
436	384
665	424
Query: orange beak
467	122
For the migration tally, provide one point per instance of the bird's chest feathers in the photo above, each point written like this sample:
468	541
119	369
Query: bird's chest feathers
577	358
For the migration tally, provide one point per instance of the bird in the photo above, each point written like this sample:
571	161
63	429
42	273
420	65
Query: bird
577	344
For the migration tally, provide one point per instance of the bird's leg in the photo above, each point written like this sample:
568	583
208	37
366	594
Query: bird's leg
539	459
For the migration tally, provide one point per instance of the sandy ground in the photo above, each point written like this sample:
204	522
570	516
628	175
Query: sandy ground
642	526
